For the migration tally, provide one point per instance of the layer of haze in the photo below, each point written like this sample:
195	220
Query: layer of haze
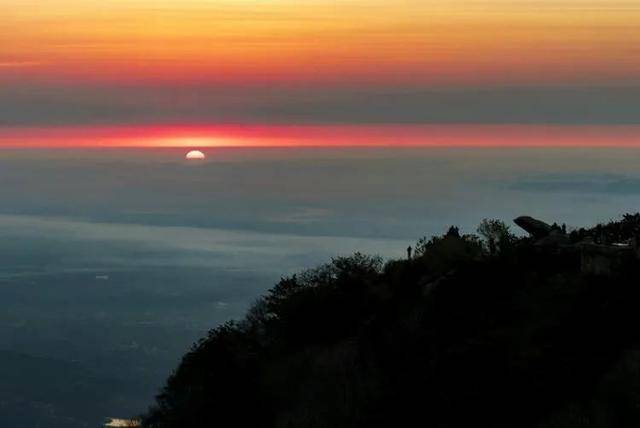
112	262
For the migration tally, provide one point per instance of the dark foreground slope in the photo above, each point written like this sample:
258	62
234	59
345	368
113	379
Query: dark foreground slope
496	333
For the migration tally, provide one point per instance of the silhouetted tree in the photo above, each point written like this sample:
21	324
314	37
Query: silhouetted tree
497	236
453	232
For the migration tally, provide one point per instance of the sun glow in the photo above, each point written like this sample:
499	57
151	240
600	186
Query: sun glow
179	141
190	137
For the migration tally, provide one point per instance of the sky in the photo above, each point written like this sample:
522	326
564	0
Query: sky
180	64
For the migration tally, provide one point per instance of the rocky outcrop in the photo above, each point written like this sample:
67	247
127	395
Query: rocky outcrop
538	229
595	258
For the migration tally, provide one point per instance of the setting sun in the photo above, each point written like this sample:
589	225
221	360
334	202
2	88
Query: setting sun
195	155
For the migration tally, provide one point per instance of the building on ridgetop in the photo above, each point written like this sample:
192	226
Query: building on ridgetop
121	423
596	258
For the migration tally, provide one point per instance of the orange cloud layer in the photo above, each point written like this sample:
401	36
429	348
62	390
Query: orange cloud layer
321	40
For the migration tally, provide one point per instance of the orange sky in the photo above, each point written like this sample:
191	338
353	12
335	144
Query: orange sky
321	41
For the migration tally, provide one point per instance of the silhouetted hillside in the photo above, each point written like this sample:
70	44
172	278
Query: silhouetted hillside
491	330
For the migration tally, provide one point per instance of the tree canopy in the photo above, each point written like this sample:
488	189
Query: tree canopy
473	330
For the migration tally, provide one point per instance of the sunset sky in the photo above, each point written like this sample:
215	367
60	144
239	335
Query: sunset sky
173	65
163	163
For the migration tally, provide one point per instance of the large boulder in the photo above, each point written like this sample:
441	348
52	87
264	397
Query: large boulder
536	228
